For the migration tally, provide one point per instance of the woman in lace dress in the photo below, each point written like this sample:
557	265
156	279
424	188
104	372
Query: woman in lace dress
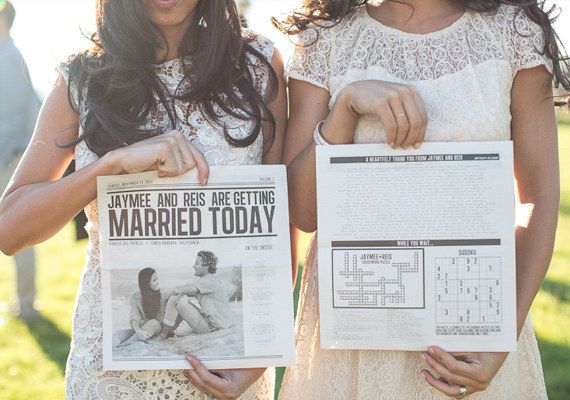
147	307
169	85
483	71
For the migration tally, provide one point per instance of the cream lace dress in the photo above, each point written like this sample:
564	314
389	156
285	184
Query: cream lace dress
85	378
464	74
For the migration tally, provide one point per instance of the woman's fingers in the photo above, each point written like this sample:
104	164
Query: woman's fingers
389	121
401	119
195	380
400	108
451	390
201	164
413	114
169	161
445	374
450	362
171	154
208	382
424	116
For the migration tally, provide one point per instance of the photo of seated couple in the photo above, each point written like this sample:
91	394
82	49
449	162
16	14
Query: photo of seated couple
202	316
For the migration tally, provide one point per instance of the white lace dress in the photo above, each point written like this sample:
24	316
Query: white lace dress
464	73
85	378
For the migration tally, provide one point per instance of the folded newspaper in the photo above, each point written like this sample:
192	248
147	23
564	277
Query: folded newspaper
192	269
417	247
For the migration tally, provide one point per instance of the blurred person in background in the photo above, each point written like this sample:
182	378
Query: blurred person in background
19	106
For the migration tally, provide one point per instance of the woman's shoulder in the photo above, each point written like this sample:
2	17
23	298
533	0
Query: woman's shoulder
325	33
259	43
136	297
512	21
76	64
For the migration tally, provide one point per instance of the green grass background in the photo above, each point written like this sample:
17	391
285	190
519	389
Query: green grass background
33	355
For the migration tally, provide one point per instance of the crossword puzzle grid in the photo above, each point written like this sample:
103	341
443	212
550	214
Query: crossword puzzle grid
365	287
468	289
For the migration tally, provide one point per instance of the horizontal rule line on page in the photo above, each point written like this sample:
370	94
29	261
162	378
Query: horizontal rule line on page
187	187
175	358
192	237
199	184
413	158
417	243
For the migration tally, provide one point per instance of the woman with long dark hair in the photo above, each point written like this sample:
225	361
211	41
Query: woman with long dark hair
148	306
402	72
168	85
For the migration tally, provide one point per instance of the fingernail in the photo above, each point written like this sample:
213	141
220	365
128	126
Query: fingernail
423	375
190	358
205	182
431	350
424	356
417	145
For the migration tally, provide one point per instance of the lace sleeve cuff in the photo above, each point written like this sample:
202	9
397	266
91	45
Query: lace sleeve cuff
526	44
302	77
310	61
63	69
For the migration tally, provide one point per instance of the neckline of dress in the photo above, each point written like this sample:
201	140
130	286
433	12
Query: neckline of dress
454	25
173	61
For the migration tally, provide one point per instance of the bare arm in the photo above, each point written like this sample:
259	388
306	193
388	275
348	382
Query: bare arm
37	203
308	105
189	290
534	134
31	209
274	154
399	107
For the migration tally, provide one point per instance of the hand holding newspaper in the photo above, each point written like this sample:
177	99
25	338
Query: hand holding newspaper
416	247
192	269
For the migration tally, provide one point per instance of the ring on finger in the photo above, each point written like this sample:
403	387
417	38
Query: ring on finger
401	115
211	397
462	391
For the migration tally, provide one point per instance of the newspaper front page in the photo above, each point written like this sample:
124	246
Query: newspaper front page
416	247
192	269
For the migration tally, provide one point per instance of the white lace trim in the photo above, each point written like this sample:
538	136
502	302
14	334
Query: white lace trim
360	42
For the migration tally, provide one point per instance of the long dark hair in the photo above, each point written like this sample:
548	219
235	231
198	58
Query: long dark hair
314	11
118	73
150	297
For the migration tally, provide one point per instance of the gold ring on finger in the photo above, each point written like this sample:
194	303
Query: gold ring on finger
401	115
462	391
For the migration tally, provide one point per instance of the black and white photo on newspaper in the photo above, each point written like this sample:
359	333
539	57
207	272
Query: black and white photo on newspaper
192	269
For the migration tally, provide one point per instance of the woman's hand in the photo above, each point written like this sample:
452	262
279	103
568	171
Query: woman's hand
222	384
474	371
170	154
399	107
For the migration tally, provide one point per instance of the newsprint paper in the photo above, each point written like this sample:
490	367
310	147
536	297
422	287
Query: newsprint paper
416	247
201	270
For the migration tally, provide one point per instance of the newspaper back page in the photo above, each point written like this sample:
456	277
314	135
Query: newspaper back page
416	247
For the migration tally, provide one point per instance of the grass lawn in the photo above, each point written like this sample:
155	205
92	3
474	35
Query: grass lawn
33	355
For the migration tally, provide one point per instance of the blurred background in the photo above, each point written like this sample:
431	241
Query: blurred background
33	352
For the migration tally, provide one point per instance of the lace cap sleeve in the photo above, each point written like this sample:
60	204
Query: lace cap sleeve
262	44
525	41
63	69
310	61
266	48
